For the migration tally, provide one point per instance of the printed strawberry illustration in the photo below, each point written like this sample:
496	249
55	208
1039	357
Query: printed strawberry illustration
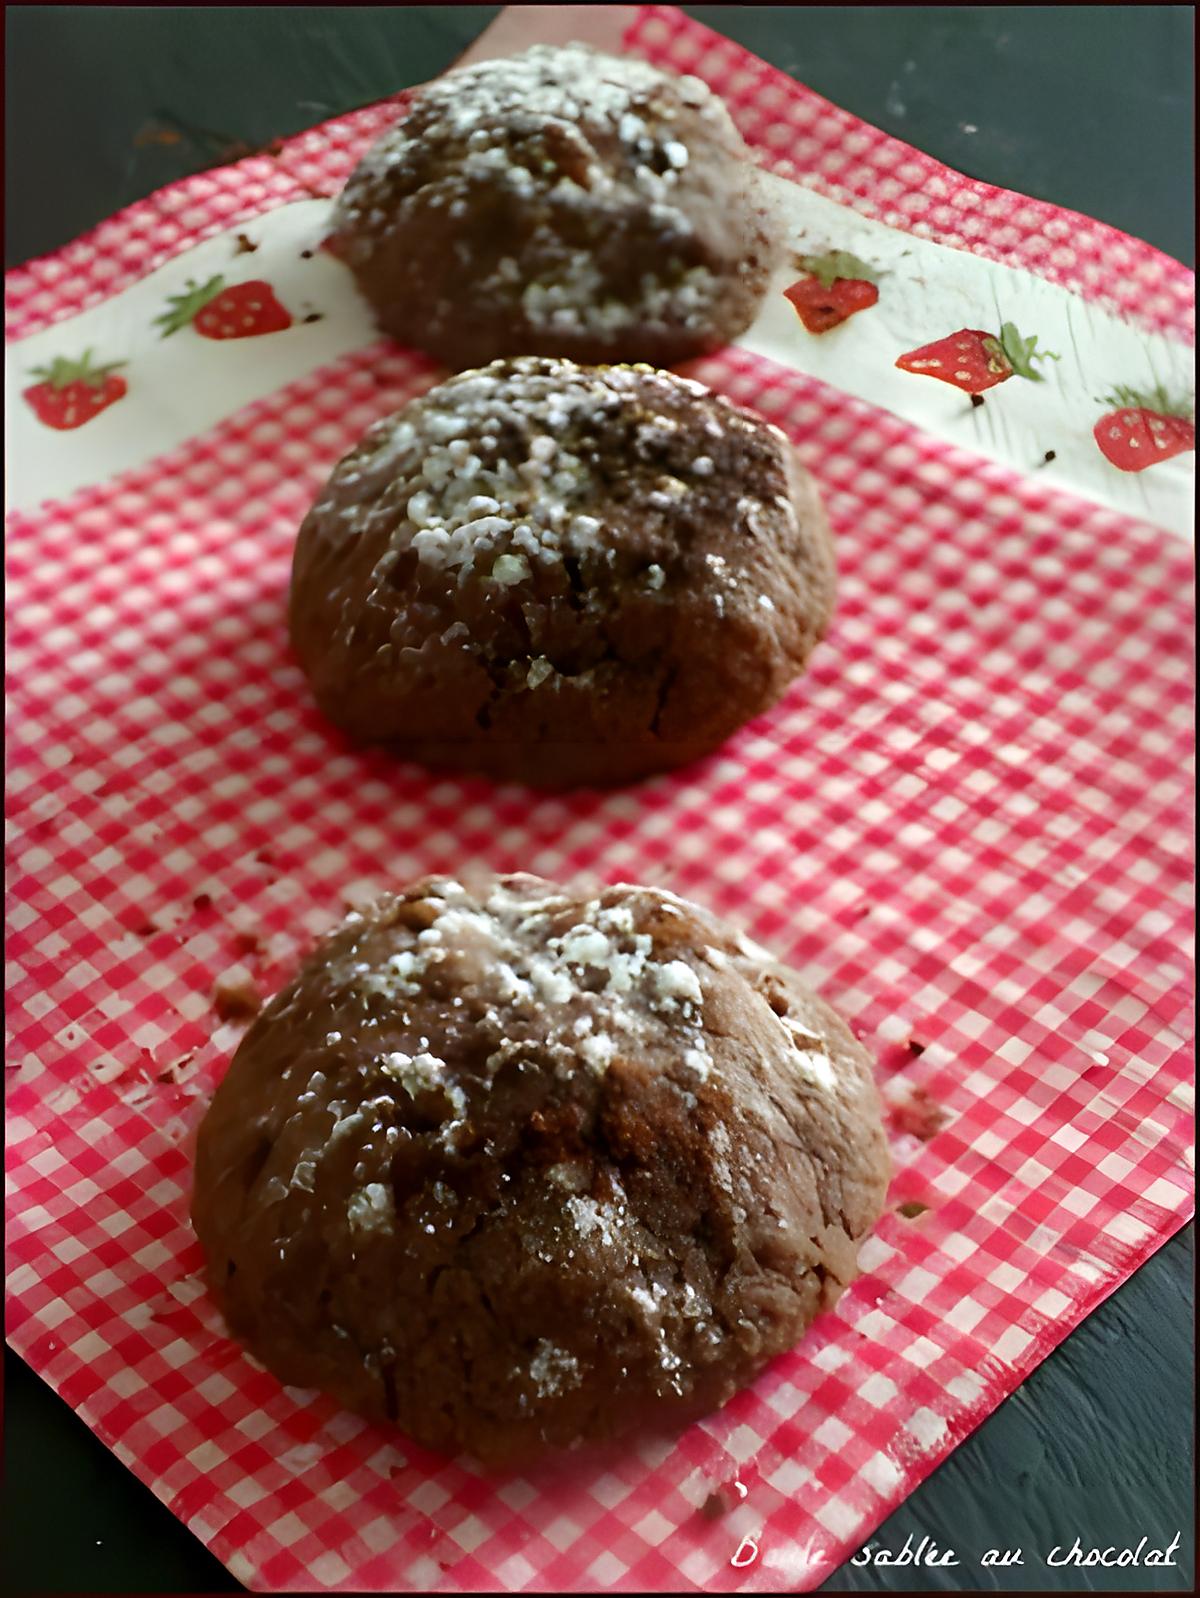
70	393
834	287
973	360
241	310
1144	429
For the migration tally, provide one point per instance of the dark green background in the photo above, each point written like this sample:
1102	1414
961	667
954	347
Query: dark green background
1088	106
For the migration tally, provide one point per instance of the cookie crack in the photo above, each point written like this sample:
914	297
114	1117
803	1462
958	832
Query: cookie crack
666	683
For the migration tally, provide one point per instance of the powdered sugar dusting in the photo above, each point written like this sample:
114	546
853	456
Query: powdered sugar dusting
371	1209
575	299
677	980
420	1074
494	472
595	1221
598	1050
553	1370
808	1054
423	1073
580	978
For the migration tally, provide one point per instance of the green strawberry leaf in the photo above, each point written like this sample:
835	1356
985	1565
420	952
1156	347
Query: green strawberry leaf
1022	352
1156	399
61	371
833	264
187	306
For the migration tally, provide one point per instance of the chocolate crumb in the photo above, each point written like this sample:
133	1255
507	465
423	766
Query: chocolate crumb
306	255
919	1115
152	135
714	1506
243	245
976	400
314	316
1050	455
911	1208
914	1047
235	996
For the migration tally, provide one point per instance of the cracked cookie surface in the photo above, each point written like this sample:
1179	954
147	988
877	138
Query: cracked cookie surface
560	202
561	574
512	1168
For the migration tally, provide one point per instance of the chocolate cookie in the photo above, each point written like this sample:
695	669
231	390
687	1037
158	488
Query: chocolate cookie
514	1168
561	574
560	202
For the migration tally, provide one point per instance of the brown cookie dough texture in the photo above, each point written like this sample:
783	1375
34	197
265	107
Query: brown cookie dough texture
560	202
513	1168
561	574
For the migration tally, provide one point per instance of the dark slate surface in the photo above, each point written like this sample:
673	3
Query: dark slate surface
1088	106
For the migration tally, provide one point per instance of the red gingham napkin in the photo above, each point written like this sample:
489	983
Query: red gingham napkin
969	825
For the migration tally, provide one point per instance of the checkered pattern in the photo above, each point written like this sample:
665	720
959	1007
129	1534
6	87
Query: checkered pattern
969	825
